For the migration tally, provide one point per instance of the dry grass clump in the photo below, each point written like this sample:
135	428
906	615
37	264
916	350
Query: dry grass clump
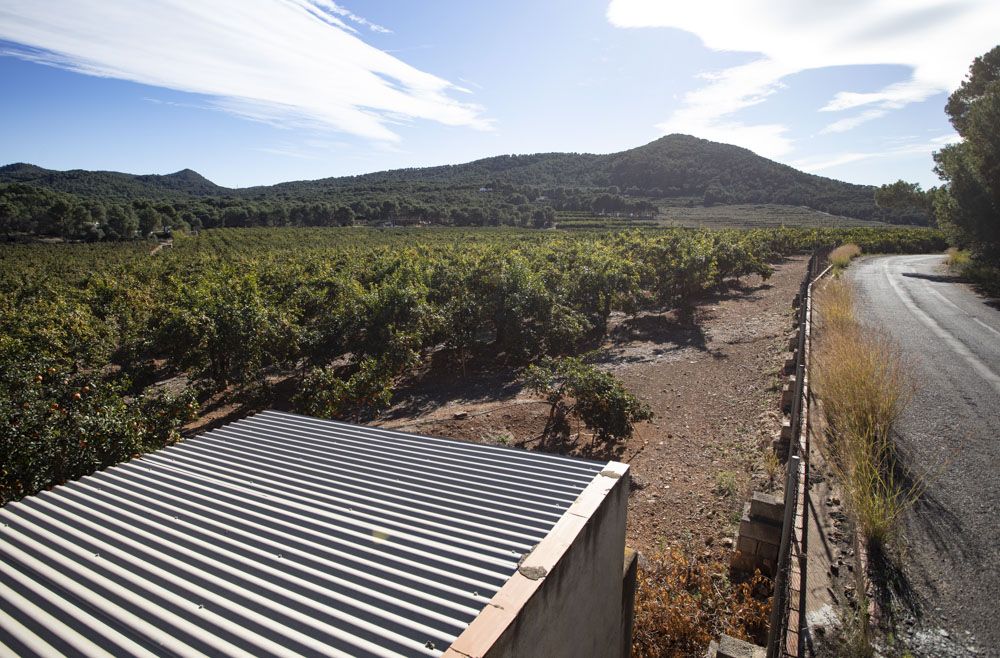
958	259
842	256
682	604
835	308
863	381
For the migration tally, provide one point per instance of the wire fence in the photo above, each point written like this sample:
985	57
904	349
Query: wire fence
779	626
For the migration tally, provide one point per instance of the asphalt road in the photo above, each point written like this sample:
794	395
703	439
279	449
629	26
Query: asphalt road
951	337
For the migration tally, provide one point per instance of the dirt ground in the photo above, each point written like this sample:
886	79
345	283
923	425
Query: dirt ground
713	386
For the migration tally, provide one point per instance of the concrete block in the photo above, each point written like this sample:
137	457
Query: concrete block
786	430
767	506
746	545
767	551
793	342
788	394
790	363
787	391
730	647
743	563
761	531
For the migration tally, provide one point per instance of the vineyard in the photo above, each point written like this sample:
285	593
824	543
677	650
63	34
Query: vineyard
107	350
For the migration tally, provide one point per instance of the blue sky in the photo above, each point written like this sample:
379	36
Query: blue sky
261	91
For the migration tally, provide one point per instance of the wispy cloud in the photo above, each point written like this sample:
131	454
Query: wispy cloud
288	62
825	162
852	122
937	39
351	16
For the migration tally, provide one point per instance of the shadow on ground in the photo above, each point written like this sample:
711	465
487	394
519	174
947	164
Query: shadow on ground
939	278
443	381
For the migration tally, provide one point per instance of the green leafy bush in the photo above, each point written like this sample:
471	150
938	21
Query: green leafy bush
327	393
598	398
57	425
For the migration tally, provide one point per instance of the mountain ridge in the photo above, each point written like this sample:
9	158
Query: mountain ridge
673	166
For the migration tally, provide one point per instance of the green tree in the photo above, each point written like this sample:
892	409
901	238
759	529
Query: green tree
598	398
149	220
900	195
9	220
122	223
344	216
969	207
544	217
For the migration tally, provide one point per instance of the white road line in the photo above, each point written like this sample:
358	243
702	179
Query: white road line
954	343
985	326
929	288
947	301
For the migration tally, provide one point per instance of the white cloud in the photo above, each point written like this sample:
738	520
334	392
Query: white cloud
290	62
927	147
937	39
852	122
351	16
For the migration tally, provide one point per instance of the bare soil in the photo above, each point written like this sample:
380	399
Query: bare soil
712	382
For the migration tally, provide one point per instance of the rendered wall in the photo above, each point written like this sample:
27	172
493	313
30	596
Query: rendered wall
566	599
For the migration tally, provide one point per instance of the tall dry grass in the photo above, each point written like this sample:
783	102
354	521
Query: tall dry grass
958	259
863	381
842	256
835	308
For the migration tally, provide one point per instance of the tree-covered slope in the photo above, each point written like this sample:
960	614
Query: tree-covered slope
503	190
672	166
112	184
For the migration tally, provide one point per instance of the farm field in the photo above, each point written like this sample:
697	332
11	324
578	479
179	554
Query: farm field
668	341
712	384
755	216
110	350
695	215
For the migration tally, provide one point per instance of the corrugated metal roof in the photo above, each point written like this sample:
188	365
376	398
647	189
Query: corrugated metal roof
276	535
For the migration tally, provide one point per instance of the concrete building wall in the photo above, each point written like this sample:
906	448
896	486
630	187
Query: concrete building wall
566	599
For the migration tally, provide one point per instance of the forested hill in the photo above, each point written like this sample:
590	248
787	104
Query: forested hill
113	184
672	166
503	190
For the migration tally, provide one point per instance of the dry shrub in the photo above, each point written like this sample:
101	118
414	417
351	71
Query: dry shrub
683	603
863	381
835	307
842	256
958	259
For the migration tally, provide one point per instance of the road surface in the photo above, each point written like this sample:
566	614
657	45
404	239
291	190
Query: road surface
951	336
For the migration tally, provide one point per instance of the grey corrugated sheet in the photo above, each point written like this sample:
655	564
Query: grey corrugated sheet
277	535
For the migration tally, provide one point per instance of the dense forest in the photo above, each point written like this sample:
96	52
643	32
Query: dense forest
510	190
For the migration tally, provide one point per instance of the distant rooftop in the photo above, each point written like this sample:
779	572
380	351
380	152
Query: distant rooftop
275	535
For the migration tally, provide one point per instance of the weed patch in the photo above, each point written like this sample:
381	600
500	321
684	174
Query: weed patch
842	256
683	603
